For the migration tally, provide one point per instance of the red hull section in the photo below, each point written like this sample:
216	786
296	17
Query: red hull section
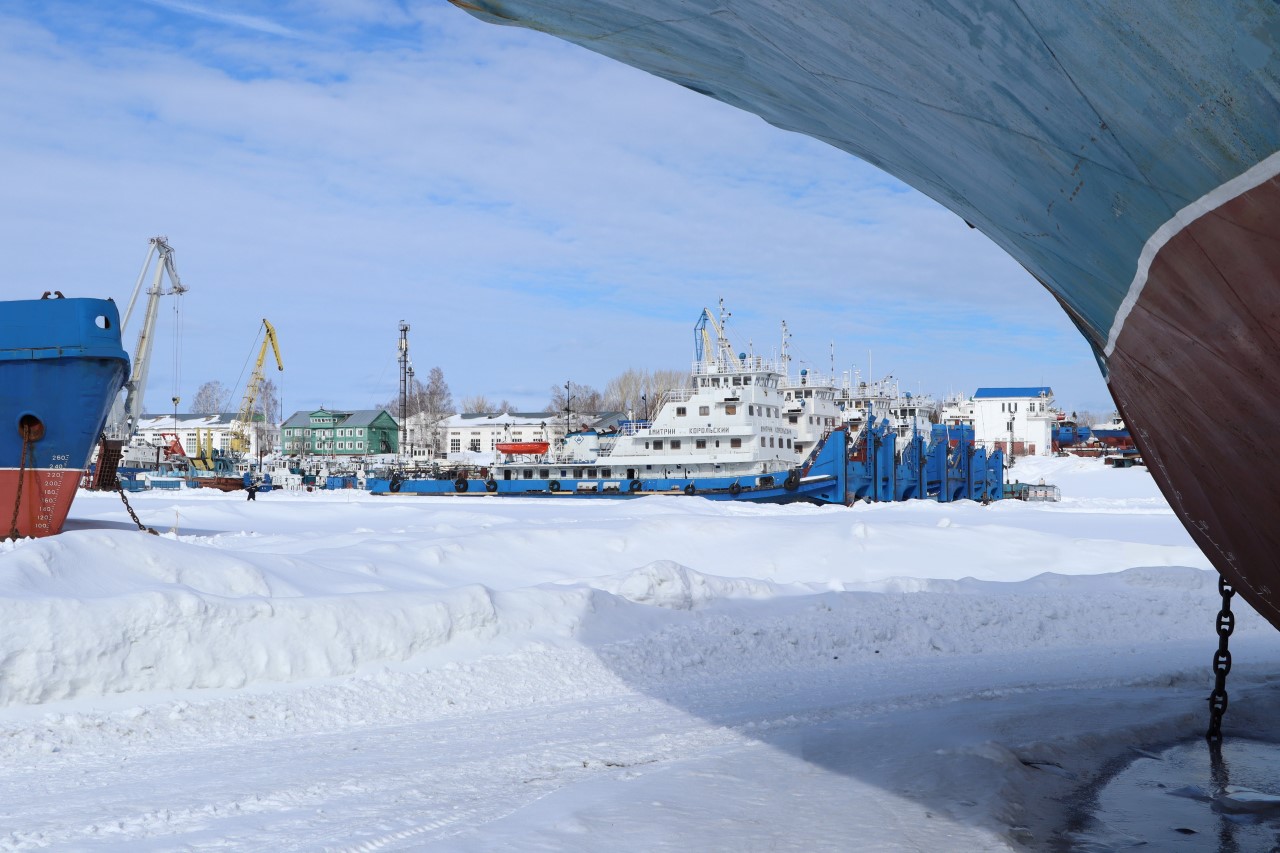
44	503
222	484
1194	373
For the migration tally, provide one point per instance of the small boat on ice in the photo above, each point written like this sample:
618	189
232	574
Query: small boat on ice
523	448
1113	433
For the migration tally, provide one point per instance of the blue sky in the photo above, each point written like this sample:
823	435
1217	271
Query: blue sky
535	212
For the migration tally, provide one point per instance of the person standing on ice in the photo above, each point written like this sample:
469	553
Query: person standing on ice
252	489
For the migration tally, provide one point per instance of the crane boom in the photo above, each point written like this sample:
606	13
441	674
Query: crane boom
239	443
125	414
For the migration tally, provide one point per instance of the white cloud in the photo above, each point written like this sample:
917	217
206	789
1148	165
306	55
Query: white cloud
536	212
249	22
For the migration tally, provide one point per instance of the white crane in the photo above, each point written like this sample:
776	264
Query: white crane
125	413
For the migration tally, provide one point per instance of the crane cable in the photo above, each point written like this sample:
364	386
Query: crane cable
177	343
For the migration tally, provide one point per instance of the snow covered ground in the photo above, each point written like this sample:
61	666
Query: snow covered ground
335	671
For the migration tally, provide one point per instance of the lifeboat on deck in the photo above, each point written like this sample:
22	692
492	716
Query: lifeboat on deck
532	448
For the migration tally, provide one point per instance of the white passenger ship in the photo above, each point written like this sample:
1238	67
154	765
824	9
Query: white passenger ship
727	423
724	436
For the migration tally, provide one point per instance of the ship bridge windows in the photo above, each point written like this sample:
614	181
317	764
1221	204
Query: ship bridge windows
675	444
704	410
700	444
657	444
681	411
730	409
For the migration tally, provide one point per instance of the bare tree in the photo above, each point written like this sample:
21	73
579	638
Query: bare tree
266	408
476	404
640	391
434	402
268	402
211	398
1088	418
623	391
435	399
580	398
664	380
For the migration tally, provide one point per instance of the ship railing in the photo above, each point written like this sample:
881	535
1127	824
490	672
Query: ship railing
674	395
722	366
810	380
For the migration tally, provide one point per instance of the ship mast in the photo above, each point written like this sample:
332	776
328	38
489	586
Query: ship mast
786	355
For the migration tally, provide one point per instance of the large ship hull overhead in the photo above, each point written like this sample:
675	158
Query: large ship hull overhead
1125	153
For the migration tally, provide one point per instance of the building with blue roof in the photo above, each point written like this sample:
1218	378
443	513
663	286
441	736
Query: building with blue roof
1019	393
1018	420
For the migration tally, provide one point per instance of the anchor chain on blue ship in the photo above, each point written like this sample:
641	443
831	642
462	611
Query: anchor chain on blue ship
28	435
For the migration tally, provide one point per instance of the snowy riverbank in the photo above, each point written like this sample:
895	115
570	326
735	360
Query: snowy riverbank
316	670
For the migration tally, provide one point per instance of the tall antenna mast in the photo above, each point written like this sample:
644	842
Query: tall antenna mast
786	356
404	385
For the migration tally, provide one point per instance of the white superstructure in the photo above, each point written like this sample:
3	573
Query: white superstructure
728	421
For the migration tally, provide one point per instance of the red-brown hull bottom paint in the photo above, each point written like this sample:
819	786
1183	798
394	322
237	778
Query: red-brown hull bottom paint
1196	375
46	499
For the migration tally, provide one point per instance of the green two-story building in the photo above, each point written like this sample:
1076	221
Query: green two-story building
326	432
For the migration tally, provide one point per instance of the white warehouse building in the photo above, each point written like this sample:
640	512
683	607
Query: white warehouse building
1018	421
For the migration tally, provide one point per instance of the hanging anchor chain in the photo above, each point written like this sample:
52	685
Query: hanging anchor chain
102	443
1221	664
132	514
22	471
